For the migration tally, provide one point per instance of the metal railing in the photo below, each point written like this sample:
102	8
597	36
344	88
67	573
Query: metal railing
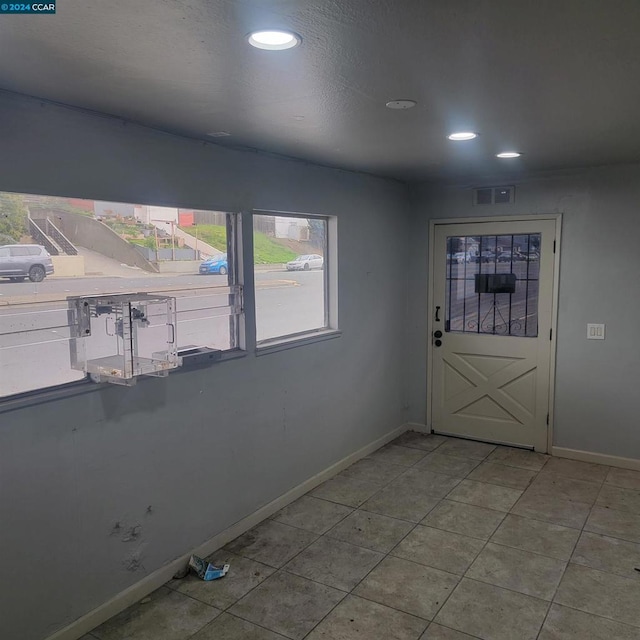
61	239
42	238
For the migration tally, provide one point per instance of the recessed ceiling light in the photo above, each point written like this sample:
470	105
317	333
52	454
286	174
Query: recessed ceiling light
462	135
508	154
274	40
401	104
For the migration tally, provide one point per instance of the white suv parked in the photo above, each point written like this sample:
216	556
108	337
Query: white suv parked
20	261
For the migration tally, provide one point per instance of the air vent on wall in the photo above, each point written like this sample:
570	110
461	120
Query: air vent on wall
494	195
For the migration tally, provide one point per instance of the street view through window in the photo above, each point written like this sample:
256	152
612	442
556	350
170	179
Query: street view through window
54	248
289	256
492	284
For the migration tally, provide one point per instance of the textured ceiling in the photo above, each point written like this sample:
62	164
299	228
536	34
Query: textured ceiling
558	80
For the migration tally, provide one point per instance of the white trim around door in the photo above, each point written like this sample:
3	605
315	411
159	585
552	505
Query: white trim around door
552	224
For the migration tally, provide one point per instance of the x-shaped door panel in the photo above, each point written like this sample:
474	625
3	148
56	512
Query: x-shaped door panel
506	394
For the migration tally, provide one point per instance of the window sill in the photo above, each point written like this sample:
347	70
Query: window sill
188	363
51	394
47	394
291	342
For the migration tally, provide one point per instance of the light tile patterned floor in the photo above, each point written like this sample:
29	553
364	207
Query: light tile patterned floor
429	538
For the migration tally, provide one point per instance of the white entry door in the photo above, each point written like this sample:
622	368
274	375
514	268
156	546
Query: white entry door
491	322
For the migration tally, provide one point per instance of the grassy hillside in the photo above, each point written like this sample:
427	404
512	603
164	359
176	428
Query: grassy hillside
215	235
266	250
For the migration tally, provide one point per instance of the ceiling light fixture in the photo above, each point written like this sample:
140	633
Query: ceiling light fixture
508	154
401	104
274	40
462	135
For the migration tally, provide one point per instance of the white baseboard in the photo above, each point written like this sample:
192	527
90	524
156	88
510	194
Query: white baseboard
599	458
155	580
562	452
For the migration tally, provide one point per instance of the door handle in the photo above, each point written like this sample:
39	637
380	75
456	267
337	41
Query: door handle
438	343
437	312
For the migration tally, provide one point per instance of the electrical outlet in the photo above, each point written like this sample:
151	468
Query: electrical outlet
595	332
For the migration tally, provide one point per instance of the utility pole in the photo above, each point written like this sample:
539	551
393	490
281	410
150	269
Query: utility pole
155	229
197	255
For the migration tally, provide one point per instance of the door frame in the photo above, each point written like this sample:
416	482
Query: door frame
557	218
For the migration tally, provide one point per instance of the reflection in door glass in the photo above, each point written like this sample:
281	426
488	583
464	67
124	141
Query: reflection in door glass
492	284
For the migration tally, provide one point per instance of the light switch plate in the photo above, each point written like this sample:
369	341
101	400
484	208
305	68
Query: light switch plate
595	332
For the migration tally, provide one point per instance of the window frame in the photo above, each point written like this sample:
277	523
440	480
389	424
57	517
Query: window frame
234	270
237	323
330	329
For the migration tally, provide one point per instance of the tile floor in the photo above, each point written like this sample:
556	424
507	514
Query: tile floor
429	538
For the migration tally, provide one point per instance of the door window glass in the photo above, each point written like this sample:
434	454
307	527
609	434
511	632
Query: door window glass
492	284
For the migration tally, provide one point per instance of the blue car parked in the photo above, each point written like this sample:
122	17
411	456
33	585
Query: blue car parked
217	264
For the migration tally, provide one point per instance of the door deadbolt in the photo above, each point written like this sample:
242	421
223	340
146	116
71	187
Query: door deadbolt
437	334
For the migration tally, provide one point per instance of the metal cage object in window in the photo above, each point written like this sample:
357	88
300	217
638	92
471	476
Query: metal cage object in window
117	338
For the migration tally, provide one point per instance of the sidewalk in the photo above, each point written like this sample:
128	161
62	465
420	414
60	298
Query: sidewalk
95	264
270	267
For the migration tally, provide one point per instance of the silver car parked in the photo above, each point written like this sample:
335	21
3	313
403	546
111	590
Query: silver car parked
304	263
20	261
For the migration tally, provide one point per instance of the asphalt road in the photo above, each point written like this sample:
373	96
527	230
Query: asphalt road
106	284
286	302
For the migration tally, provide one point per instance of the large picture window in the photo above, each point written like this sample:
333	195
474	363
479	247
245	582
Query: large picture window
292	276
53	249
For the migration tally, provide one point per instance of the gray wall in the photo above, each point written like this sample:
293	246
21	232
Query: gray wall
86	232
202	448
597	382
